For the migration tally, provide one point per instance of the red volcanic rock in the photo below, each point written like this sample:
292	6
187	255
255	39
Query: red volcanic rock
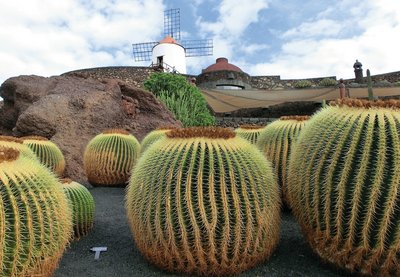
71	110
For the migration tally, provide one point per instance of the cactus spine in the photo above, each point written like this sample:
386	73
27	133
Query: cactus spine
344	185
203	201
35	220
249	132
82	206
47	152
109	158
276	142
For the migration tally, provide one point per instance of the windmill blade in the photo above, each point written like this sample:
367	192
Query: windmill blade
142	51
198	47
172	23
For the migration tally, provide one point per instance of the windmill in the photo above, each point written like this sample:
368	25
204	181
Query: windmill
170	53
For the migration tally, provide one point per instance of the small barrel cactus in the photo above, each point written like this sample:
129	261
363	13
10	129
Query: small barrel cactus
18	144
203	201
343	181
35	220
109	158
82	206
154	136
47	152
276	141
249	132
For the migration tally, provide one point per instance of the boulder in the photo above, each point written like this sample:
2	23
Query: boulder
71	110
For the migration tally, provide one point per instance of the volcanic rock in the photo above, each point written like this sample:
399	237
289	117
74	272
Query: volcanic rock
70	110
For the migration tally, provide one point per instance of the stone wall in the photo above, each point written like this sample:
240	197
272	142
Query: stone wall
133	75
136	76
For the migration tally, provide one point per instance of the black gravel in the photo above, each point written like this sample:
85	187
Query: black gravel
291	258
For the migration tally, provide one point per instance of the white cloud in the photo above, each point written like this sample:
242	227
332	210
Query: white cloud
46	37
306	54
321	27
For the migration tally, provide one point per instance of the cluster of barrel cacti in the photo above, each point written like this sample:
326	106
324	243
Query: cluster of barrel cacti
109	158
344	181
204	201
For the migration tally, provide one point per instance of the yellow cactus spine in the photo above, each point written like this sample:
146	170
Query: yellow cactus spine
82	206
203	201
35	220
276	141
249	132
109	158
344	182
47	152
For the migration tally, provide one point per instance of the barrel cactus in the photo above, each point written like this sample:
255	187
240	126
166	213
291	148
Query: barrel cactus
18	144
82	206
154	136
35	220
109	158
47	152
276	141
249	132
203	201
343	181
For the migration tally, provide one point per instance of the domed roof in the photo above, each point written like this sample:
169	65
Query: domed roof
222	64
168	39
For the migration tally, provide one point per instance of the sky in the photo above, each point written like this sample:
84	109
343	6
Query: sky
291	38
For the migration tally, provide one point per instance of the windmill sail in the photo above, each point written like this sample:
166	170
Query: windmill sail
198	47
142	51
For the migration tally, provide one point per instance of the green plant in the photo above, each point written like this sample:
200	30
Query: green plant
109	158
344	185
328	82
303	84
203	201
249	132
81	203
184	100
47	152
154	136
35	220
276	142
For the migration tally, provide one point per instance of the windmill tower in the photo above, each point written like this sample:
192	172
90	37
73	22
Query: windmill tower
169	54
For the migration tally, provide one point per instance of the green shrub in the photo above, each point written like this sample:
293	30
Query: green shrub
303	84
328	82
184	100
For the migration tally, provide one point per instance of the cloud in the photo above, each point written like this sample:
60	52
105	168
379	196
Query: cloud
371	35
46	37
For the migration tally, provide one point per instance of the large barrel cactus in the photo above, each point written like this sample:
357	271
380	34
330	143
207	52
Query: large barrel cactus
18	144
344	180
249	132
35	220
109	158
82	206
154	136
47	152
203	201
276	141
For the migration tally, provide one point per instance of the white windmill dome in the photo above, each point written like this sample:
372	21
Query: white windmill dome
169	55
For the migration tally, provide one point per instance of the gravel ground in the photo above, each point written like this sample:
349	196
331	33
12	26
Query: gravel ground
292	257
